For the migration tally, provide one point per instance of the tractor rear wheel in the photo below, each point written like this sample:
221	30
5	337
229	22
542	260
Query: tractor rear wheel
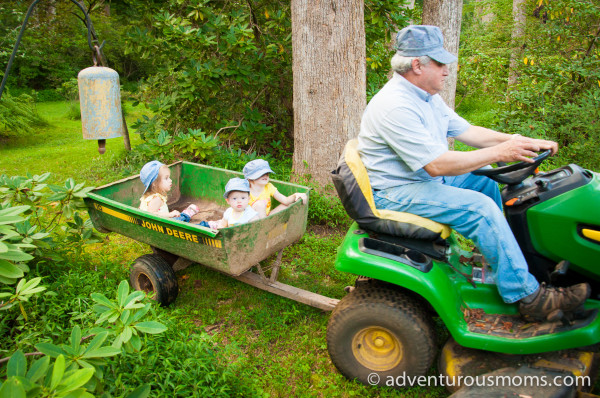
153	274
376	332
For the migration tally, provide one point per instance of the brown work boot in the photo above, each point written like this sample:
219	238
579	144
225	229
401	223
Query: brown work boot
552	302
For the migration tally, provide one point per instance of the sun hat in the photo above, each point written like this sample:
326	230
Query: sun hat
419	40
256	168
236	184
149	173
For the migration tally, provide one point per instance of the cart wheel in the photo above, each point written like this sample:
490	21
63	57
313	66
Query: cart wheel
151	273
375	333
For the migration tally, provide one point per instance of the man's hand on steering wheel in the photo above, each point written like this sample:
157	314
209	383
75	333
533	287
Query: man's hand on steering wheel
524	149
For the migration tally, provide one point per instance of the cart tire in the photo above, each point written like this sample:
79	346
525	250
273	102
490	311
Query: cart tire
152	274
376	332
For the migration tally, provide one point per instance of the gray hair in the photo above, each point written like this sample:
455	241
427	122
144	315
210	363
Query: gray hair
402	64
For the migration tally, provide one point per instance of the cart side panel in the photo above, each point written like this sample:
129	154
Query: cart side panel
174	237
248	244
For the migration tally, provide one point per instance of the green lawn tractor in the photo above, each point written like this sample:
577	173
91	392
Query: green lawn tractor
415	280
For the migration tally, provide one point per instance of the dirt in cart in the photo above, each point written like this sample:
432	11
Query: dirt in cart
209	210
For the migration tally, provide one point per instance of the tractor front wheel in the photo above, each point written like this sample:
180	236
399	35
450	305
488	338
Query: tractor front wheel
376	333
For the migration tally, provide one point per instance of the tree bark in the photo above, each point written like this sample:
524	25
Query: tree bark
447	15
516	36
329	71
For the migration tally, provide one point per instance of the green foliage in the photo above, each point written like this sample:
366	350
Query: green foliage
383	19
194	145
225	68
558	74
559	88
197	366
54	47
126	314
484	52
37	220
18	115
43	380
220	66
30	211
325	208
78	368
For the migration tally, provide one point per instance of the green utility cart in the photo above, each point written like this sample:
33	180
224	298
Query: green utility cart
175	244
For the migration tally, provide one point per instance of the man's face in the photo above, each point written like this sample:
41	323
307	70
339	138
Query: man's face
432	76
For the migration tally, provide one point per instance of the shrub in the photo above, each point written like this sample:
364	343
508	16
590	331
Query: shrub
18	114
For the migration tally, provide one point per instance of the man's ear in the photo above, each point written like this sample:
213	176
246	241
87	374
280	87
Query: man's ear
416	66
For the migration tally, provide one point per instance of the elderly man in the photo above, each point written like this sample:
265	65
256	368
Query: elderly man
403	144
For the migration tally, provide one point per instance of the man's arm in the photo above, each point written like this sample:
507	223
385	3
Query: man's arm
496	147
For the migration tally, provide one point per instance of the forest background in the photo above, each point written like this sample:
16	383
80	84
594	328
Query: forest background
211	82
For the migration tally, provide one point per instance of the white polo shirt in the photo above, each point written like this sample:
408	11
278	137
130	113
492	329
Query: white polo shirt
403	129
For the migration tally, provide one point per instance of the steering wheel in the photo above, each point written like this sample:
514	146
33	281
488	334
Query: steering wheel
515	173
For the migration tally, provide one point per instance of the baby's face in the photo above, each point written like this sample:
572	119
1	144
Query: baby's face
164	180
262	180
238	200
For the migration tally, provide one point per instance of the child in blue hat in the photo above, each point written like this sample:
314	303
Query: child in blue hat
156	177
261	190
237	195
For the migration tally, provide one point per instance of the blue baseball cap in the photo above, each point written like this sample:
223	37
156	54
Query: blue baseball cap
256	168
419	40
236	184
149	173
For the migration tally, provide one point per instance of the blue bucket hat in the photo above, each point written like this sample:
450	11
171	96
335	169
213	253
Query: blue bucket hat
256	168
149	173
236	184
419	40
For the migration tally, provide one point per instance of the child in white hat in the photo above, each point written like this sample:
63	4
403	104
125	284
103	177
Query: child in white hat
261	190
237	195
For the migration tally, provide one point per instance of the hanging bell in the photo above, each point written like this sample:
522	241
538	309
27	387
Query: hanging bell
100	99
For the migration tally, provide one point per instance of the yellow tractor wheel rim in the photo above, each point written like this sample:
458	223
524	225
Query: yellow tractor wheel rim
377	348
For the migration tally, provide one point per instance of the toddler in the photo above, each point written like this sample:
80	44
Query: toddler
261	190
156	177
236	194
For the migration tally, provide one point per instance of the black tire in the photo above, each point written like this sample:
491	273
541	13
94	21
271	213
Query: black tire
151	273
376	332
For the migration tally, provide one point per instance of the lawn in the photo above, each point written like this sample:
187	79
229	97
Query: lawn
281	343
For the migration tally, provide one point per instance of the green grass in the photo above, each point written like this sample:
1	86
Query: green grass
280	343
478	110
60	149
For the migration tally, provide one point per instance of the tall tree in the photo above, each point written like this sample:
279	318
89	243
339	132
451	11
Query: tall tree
518	12
447	15
329	72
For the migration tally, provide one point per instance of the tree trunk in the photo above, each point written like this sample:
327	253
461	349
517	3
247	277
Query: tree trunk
447	15
517	34
329	71
483	11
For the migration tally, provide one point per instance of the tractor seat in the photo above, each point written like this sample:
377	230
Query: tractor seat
354	188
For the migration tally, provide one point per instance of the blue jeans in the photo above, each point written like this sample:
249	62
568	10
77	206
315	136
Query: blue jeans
472	206
183	217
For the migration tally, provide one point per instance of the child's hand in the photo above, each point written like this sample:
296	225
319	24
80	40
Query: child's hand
298	196
174	213
214	224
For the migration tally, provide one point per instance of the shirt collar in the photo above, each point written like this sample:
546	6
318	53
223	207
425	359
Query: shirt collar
420	93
